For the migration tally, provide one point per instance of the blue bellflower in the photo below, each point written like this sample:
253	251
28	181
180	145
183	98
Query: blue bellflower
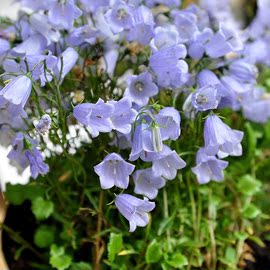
114	171
134	210
146	183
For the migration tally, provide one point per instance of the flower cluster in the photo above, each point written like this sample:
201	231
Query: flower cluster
61	67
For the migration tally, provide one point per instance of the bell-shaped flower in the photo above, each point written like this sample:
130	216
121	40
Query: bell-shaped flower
33	45
170	69
4	46
114	171
15	95
140	88
95	116
168	164
63	13
145	142
205	98
134	210
24	153
168	120
143	25
123	116
120	17
220	137
66	62
147	183
208	167
36	162
224	41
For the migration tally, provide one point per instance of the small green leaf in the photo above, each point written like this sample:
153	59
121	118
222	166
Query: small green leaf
153	252
115	245
165	224
248	185
251	211
59	259
177	261
81	266
44	236
41	208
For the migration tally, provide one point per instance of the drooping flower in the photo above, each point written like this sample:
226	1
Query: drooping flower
15	95
168	120
205	98
147	183
140	88
123	116
134	210
220	137
66	62
119	17
170	69
95	116
224	41
143	26
24	153
114	171
208	167
36	161
44	124
63	13
168	164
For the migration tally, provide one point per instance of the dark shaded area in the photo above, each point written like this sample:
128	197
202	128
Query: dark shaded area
260	254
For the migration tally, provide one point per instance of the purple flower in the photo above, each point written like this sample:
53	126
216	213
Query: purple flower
41	25
44	124
208	167
140	88
168	119
83	34
196	47
243	71
143	26
134	210
120	17
33	45
69	58
95	116
170	70
123	116
146	183
205	98
186	25
63	13
164	37
114	171
220	137
206	78
168	164
256	106
36	161
143	144
15	95
24	153
4	46
224	41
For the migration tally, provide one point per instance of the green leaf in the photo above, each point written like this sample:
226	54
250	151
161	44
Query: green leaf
248	185
177	261
59	259
153	252
165	224
17	194
81	266
41	208
251	211
115	245
44	236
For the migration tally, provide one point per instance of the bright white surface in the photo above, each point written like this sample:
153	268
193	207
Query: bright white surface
9	173
8	8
